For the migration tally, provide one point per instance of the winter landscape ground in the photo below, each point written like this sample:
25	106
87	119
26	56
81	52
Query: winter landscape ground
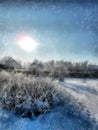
44	103
47	96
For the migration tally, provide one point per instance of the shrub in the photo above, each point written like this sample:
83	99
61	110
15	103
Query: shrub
20	90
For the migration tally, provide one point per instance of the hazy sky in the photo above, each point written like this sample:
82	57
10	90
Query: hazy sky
62	32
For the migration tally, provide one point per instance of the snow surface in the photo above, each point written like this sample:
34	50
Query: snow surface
55	120
84	90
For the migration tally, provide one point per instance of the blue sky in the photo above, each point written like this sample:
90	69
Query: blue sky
68	32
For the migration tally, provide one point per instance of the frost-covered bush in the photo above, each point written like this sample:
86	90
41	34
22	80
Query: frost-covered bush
23	94
4	75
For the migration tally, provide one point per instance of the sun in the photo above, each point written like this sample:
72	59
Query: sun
26	43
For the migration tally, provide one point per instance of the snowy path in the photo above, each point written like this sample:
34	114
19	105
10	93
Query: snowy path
85	91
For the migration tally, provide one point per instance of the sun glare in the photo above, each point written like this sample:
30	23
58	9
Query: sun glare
27	43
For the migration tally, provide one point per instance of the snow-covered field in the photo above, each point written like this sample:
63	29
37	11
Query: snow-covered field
55	120
84	90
